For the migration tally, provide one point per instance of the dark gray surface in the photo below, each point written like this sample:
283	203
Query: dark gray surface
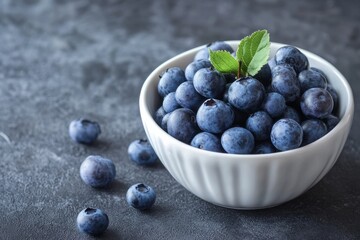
60	60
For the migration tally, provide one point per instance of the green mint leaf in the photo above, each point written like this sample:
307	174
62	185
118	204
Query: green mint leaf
223	61
253	52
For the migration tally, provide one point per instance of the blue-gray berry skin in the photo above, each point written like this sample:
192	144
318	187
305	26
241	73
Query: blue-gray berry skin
237	140
97	171
246	94
225	97
321	72
331	121
170	103
272	62
188	97
209	83
142	153
274	104
92	221
316	103
292	56
164	120
313	129
264	148
84	131
141	196
170	80
311	79
286	134
195	66
214	116
285	82
182	125
215	46
334	95
207	141
264	75
291	113
159	114
260	124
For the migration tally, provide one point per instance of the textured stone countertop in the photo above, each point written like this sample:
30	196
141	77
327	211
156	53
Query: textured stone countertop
61	60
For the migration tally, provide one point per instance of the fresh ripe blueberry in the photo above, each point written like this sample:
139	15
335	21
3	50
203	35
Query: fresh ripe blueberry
246	94
291	113
164	122
215	46
209	83
92	221
319	71
331	121
97	171
260	124
311	79
140	196
316	103
285	82
272	63
207	141
237	140
333	94
170	80
264	75
313	129
182	125
170	103
188	97
293	56
274	104
264	148
195	66
84	131
159	114
214	116
142	153
286	134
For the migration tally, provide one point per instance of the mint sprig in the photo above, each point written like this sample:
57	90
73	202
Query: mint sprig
252	53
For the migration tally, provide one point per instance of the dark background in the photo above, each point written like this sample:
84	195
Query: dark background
61	60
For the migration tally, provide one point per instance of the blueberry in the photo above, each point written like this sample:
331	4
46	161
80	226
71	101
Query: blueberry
272	62
195	66
260	124
316	103
246	94
188	97
333	94
207	141
92	221
264	148
170	80
97	171
140	196
313	129
215	46
170	103
319	71
286	134
285	82
331	121
291	113
214	116
209	83
237	140
292	56
142	153
159	114
310	79
264	75
84	131
182	125
164	122
274	104
226	93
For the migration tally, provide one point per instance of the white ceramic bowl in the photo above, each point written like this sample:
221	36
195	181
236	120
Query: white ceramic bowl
247	181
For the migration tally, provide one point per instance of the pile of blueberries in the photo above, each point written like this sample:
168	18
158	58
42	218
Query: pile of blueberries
286	105
99	172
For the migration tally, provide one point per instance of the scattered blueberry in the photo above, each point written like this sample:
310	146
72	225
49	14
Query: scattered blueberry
195	66
286	134
264	147
292	56
274	104
170	103
214	116
84	131
207	141
311	79
260	124
142	153
92	221
170	80
140	196
188	97
182	125
97	171
237	140
313	129
316	103
209	83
